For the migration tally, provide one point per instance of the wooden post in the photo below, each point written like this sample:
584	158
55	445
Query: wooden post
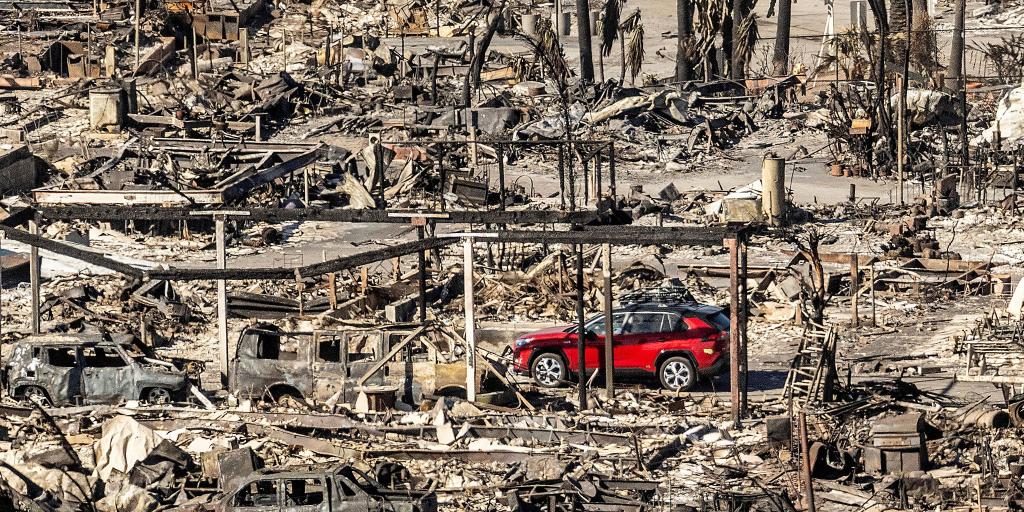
305	186
874	319
806	457
222	299
901	132
363	280
581	333
744	314
609	354
243	45
854	288
138	22
734	331
421	263
467	278
34	264
501	175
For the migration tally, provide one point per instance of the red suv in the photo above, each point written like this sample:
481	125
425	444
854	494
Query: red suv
678	342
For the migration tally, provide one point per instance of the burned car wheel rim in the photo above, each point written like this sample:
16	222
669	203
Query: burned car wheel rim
158	395
677	375
548	370
37	395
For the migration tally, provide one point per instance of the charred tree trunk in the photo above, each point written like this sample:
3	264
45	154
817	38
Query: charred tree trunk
956	52
684	28
476	66
585	42
780	60
736	57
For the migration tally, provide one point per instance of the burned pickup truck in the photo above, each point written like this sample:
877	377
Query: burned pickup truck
64	369
342	489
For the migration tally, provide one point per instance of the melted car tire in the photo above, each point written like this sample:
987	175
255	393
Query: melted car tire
673	369
36	394
157	396
551	365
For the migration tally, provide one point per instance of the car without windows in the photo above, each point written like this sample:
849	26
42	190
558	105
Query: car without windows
64	369
342	489
677	342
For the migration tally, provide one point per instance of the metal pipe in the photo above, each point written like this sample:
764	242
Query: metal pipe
734	331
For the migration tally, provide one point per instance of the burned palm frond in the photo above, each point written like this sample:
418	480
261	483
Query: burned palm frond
610	25
924	50
634	58
1007	56
748	37
545	45
848	53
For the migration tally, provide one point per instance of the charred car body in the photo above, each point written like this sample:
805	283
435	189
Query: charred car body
313	366
60	370
342	489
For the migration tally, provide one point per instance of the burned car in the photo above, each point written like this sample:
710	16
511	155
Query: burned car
61	369
322	365
344	488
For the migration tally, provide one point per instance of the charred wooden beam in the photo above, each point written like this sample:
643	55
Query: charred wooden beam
117	212
316	269
69	250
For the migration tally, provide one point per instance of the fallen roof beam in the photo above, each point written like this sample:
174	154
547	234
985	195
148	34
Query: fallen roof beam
316	269
144	212
69	250
636	235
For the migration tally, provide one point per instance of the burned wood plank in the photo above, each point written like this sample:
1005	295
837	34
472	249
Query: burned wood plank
69	250
148	212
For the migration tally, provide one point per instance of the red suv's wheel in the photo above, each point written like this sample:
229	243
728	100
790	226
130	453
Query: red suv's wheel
548	370
677	374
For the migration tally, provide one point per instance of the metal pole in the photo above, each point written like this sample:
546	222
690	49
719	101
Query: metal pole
34	264
581	333
222	300
467	278
734	331
378	169
806	457
609	355
421	261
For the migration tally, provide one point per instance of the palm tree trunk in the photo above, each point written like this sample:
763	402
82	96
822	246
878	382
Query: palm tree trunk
780	60
585	42
684	28
736	59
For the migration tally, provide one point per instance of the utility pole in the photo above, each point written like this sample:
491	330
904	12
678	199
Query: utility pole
956	52
585	41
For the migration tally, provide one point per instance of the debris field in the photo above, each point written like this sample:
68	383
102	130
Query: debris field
496	255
